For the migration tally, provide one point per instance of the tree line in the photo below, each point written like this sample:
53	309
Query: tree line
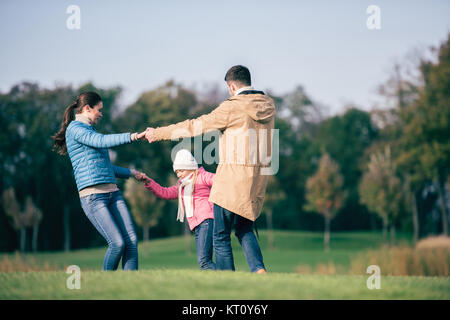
384	169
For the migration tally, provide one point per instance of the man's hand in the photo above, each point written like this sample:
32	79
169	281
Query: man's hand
149	135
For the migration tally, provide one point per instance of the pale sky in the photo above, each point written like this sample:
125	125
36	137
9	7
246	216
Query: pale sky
325	46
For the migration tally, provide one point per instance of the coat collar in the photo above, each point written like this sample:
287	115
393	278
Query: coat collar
242	90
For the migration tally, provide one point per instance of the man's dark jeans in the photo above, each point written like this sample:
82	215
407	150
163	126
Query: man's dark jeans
223	221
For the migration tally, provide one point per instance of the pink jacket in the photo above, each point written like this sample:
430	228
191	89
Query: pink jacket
203	209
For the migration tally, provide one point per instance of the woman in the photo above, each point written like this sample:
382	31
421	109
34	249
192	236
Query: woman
95	176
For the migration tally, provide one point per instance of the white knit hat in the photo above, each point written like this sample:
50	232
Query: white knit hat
184	160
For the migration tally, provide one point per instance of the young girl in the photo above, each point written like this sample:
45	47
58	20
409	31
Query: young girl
192	191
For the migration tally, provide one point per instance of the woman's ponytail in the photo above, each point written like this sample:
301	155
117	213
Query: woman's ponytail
86	98
60	136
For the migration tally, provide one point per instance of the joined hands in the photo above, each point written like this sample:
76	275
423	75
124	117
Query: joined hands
147	134
140	176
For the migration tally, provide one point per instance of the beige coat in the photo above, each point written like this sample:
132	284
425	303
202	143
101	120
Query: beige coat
246	123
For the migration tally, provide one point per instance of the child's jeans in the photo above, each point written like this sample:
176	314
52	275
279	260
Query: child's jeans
110	216
204	242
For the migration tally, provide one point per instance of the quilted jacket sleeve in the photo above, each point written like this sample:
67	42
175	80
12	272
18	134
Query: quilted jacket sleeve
119	172
91	138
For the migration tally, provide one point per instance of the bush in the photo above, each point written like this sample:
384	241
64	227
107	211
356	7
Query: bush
434	242
19	263
404	261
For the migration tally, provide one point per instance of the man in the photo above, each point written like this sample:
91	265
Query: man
246	120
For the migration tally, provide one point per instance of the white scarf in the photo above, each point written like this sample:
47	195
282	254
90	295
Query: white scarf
188	184
82	118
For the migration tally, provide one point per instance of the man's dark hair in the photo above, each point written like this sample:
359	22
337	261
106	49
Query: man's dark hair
240	74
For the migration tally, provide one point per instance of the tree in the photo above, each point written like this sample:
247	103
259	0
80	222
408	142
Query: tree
406	162
12	209
426	133
31	216
325	193
302	113
274	194
381	190
145	208
401	90
345	138
298	157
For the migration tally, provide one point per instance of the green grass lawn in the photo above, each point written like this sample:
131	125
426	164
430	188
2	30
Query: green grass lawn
168	271
195	284
290	250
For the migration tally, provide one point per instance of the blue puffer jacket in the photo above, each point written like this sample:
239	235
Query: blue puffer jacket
89	155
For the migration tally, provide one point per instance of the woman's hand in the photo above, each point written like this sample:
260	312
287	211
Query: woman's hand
138	136
140	176
141	136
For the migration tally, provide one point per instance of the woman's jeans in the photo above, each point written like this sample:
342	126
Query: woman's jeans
204	242
223	221
110	216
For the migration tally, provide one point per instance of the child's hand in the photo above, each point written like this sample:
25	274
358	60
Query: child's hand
146	179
